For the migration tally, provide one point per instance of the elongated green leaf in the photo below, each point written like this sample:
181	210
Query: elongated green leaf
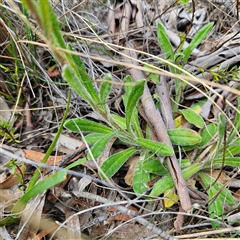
192	117
164	42
160	149
98	148
228	161
105	87
140	177
133	98
224	194
154	166
152	76
50	24
167	182
82	76
215	206
184	137
76	163
136	124
235	131
208	134
84	125
71	76
198	38
92	138
232	149
40	187
121	122
222	124
112	164
77	60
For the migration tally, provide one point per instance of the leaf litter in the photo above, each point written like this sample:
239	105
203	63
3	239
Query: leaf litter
86	211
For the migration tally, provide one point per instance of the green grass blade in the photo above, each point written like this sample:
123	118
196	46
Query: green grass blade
52	146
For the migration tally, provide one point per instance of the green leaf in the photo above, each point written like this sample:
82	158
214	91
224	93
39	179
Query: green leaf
92	138
105	87
136	124
184	137
153	76
222	124
100	145
164	42
154	166
112	164
78	124
208	134
224	194
192	117
228	161
160	149
167	182
235	131
40	187
215	206
233	148
133	98
197	39
71	76
50	24
140	177
76	163
121	122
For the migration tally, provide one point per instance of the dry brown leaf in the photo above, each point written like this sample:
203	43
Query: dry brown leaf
38	157
223	177
132	163
73	224
120	217
53	71
29	227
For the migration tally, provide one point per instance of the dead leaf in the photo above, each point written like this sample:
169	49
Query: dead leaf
132	163
53	71
120	217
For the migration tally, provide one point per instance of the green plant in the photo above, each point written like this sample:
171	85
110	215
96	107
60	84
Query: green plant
7	132
181	56
126	129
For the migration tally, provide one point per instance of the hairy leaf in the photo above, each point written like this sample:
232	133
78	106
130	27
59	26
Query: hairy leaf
184	137
160	149
78	124
112	164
